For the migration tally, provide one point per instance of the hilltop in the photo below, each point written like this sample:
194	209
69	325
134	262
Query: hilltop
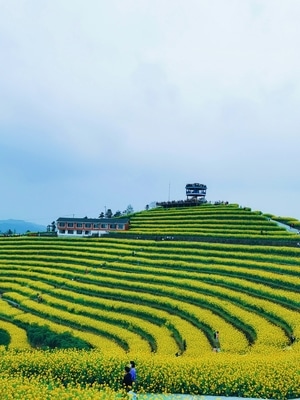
216	223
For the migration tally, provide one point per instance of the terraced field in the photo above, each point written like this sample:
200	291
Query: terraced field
165	296
208	220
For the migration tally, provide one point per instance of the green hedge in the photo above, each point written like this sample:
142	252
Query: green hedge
4	338
43	337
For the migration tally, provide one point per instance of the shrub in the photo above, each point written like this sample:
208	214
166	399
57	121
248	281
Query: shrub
42	336
4	338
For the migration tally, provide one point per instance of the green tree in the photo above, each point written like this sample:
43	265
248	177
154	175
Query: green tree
53	226
109	213
129	209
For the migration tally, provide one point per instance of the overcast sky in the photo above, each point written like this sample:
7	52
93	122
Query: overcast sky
109	103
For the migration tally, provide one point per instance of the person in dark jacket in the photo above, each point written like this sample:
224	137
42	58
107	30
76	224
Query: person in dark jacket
127	379
216	341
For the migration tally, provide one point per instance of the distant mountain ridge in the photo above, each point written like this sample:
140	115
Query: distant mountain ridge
20	226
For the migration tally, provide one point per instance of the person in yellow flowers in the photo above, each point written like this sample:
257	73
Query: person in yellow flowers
127	379
217	346
128	382
133	371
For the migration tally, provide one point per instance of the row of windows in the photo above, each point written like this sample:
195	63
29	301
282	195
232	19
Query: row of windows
72	232
91	226
80	231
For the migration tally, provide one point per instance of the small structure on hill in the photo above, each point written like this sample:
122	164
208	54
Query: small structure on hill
195	193
87	227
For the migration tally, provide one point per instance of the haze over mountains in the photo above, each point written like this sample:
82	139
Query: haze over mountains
20	226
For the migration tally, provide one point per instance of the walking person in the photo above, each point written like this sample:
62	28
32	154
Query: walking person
133	371
127	379
217	346
292	339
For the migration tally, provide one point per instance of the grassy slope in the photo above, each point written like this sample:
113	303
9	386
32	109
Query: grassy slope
191	270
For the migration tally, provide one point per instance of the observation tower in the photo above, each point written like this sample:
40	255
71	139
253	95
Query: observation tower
195	192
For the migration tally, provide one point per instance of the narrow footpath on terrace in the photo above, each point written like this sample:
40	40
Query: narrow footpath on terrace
190	397
287	227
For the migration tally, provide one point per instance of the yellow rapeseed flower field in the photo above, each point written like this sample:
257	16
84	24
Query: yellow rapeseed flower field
157	300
